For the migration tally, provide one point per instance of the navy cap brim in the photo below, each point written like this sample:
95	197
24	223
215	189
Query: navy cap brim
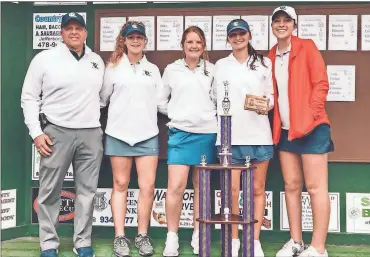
133	30
69	19
238	27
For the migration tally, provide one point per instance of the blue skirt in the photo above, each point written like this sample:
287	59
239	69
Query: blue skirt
257	153
318	141
186	148
116	147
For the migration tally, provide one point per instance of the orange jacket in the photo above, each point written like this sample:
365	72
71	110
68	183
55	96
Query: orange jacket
307	89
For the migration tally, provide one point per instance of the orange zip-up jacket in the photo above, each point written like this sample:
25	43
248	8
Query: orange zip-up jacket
307	89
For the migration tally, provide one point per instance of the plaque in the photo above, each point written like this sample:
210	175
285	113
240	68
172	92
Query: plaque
259	104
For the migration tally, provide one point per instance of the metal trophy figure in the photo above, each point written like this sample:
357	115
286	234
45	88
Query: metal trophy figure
226	219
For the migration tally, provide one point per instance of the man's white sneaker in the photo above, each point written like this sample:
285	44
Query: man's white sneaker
290	249
235	246
172	245
312	252
195	242
258	252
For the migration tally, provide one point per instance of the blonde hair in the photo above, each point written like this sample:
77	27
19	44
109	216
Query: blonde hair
121	47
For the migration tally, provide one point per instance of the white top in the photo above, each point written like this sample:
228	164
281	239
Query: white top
131	91
190	107
247	127
282	78
70	89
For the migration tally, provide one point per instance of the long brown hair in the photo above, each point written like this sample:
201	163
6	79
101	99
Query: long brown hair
121	47
202	36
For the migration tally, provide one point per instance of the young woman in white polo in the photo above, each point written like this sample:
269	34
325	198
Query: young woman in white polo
192	128
130	83
246	72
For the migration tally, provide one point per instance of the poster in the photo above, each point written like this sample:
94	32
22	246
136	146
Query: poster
169	32
46	29
342	83
149	30
8	208
203	22
158	217
67	205
267	223
365	32
343	32
110	28
307	222
313	27
36	157
259	26
219	40
358	213
103	212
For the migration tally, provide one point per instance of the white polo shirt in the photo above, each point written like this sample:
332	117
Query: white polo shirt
190	107
131	92
282	78
247	127
70	89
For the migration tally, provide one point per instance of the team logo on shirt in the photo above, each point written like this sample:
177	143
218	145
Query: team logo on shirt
147	73
206	73
95	65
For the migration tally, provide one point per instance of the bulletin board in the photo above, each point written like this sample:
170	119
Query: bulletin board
350	121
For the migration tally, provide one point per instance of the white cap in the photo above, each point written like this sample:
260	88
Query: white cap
288	10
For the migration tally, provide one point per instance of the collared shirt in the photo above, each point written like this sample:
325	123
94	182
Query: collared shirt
282	78
76	55
131	90
248	127
70	89
186	97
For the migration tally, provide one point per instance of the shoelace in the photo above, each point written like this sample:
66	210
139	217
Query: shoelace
144	240
121	241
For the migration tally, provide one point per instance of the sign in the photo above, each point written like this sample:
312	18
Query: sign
259	26
343	32
8	208
46	29
267	219
307	221
158	217
103	212
342	82
313	27
67	205
219	40
36	157
358	213
110	28
204	23
169	32
365	32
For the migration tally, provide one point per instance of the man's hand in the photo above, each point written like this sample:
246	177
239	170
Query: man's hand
42	144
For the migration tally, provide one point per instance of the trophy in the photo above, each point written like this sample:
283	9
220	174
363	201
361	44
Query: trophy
225	218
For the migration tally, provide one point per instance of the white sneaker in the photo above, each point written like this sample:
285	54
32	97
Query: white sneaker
312	252
195	242
290	249
172	245
235	246
258	252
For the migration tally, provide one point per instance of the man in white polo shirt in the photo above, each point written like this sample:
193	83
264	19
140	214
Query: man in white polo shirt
61	106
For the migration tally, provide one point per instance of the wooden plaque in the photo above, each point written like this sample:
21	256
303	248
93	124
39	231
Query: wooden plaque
257	103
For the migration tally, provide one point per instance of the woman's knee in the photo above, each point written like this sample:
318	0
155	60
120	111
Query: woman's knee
147	189
259	189
176	189
120	185
293	185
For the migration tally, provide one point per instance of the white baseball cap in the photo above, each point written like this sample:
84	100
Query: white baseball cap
288	10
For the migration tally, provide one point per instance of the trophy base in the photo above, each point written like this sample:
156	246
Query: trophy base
221	219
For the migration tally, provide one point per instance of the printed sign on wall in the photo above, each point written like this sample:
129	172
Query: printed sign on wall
358	213
267	219
307	221
46	29
103	211
8	208
158	217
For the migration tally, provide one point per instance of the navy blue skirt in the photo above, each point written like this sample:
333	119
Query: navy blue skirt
318	141
257	153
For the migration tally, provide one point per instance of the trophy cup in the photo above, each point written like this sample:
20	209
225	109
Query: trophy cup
225	218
